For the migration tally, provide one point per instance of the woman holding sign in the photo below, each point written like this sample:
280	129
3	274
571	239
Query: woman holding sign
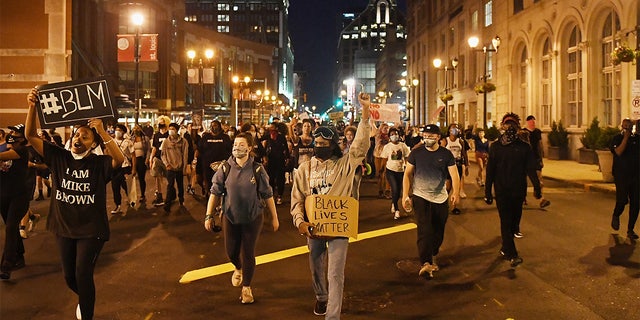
78	209
328	173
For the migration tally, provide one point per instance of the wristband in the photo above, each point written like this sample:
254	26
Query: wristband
208	217
111	140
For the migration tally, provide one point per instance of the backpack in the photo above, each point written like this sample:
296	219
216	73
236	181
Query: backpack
226	167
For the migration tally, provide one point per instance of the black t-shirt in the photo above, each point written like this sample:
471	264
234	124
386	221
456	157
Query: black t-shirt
626	165
156	142
212	148
78	208
431	171
535	137
14	174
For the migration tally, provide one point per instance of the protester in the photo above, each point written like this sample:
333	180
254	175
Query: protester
428	167
175	155
328	173
158	170
141	153
15	193
458	148
481	144
244	186
395	153
277	155
214	146
626	161
119	179
507	174
534	172
381	138
78	208
303	146
3	142
258	148
42	172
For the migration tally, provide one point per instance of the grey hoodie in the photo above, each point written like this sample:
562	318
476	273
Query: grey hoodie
175	152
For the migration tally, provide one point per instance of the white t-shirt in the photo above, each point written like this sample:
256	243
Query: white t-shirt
396	155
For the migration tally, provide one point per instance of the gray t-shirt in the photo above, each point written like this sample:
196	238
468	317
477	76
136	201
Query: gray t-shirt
430	173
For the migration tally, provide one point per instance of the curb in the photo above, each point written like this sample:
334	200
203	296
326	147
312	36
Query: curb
587	186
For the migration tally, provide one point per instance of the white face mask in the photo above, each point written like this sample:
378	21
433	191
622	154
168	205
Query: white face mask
79	156
430	142
172	133
119	134
394	138
240	152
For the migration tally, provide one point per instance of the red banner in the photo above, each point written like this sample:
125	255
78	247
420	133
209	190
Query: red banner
148	47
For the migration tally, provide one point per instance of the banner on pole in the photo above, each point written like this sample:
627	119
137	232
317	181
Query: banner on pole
148	47
333	216
74	102
389	112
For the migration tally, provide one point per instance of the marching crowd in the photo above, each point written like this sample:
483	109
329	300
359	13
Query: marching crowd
242	173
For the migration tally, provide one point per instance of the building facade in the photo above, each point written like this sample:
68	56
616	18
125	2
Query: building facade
261	21
378	28
553	61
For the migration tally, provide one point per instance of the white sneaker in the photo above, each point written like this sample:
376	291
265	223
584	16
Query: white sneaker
78	313
23	234
396	215
236	278
116	210
426	270
278	200
246	296
393	210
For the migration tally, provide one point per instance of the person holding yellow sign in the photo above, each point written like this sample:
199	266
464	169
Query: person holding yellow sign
327	179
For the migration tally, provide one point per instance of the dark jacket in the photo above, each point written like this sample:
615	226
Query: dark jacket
507	169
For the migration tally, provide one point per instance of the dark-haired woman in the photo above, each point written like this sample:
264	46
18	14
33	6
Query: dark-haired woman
78	209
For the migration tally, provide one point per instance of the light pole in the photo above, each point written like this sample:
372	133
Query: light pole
137	20
236	81
410	99
473	43
205	75
437	63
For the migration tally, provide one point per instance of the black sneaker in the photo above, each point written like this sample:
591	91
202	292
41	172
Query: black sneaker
632	235
518	235
615	222
320	308
158	202
516	261
456	211
544	203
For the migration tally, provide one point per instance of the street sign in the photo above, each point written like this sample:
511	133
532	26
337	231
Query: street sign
635	99
74	102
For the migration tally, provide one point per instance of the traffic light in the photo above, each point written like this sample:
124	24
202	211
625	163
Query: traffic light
339	103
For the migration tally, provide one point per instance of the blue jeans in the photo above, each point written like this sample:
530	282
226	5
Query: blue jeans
395	181
335	249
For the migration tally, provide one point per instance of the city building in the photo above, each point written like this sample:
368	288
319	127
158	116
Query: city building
261	21
365	38
548	58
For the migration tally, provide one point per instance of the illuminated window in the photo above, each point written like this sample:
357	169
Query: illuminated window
488	13
574	78
223	18
223	29
223	7
610	77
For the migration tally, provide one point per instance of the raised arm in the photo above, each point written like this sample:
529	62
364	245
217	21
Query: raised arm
112	148
30	126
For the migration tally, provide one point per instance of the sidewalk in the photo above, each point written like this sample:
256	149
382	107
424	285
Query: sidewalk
587	176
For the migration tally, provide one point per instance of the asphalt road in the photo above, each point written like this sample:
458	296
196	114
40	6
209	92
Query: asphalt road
575	267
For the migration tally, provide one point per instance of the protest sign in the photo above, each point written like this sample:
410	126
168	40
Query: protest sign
389	112
74	102
333	216
338	115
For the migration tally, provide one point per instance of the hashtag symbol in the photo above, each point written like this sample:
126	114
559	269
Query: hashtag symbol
50	104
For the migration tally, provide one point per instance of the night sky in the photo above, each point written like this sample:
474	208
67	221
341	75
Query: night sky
314	29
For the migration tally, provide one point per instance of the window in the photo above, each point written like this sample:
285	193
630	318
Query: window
518	5
488	13
523	80
610	81
223	18
223	7
546	84
223	29
474	22
574	79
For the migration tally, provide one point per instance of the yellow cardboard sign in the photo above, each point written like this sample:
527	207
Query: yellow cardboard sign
333	216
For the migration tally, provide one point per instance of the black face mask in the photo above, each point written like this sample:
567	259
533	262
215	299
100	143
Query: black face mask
11	139
162	126
323	153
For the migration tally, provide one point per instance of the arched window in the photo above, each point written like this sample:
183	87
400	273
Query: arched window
610	74
573	75
523	81
545	73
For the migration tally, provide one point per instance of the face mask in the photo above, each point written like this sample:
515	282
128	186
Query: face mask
454	131
430	142
119	134
394	138
11	139
239	152
79	156
323	153
216	130
173	133
510	134
162	126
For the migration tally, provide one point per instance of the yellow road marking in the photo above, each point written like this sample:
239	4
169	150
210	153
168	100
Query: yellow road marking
498	302
207	272
149	316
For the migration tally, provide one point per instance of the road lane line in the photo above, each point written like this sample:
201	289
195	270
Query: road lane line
207	272
497	302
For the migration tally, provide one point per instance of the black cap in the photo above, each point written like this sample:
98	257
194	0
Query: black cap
531	117
431	128
19	128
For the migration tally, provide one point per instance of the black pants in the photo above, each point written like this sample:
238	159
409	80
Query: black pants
242	238
119	181
276	176
174	177
79	258
510	211
532	173
13	208
395	182
141	171
431	219
627	192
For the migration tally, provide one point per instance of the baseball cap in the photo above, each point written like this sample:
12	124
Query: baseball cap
19	128
531	117
431	128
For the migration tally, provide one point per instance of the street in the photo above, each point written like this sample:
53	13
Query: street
575	266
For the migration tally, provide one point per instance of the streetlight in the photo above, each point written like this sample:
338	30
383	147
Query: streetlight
437	63
473	44
236	80
407	87
137	19
205	75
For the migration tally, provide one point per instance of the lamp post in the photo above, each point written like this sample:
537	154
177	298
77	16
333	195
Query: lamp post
236	81
437	63
137	20
205	72
407	87
473	44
